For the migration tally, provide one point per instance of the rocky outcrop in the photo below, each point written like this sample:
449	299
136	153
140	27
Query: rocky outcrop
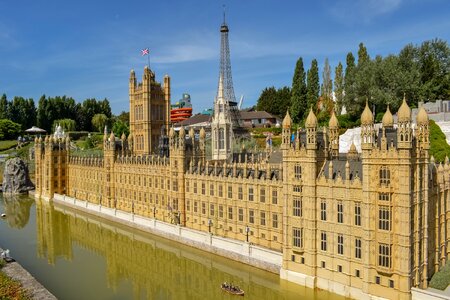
16	177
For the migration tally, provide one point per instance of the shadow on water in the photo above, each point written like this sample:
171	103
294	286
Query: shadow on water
17	210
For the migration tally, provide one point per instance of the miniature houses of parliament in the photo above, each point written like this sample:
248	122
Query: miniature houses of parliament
375	222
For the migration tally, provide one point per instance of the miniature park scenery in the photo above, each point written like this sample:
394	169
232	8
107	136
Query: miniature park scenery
334	186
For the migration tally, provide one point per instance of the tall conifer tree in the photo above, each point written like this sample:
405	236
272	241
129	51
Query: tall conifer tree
339	88
349	83
298	95
312	85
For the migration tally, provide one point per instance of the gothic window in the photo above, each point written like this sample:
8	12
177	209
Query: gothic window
250	193
221	138
241	214
274	196
340	240
358	248
251	216
297	234
274	220
211	189
203	188
195	206
220	211
323	210
384	255
230	191
297	206
240	193
384	217
323	241
263	218
220	190
203	208
230	213
211	210
262	195
357	214
340	212
385	175
297	171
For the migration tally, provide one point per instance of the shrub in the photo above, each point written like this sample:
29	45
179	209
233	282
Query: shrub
439	147
76	135
9	130
441	279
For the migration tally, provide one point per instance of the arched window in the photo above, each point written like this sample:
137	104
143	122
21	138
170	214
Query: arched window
221	138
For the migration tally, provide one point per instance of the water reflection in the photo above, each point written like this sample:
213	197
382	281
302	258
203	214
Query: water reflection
156	268
17	210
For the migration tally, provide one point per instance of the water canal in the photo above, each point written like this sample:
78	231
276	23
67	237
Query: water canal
79	256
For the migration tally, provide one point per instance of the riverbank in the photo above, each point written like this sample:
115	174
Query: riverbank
30	287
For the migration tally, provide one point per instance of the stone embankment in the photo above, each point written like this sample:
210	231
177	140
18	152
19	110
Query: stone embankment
36	290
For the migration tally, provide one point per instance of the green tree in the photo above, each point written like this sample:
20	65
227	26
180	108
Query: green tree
9	130
327	83
312	85
267	100
119	127
298	94
283	101
99	121
434	64
339	88
349	84
124	116
22	111
4	107
66	124
363	56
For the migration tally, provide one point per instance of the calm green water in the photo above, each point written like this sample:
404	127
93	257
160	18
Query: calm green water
78	256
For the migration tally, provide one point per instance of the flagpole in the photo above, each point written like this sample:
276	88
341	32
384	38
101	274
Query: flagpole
148	58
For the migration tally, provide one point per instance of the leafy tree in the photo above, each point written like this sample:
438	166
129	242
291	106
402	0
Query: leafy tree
434	64
66	124
4	107
298	95
312	85
339	88
363	56
22	111
349	83
274	101
99	121
124	116
283	100
9	130
119	127
267	100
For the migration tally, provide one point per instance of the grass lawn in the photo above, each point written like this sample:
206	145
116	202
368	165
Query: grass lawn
5	145
11	289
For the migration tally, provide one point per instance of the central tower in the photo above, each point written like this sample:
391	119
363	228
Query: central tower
226	113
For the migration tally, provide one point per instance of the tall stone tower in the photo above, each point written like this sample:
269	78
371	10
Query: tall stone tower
149	110
226	113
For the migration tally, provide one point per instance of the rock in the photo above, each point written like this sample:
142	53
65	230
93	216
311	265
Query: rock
16	177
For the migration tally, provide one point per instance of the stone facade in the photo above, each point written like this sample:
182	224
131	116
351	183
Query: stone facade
359	224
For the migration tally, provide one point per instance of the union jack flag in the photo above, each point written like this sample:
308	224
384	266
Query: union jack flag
145	51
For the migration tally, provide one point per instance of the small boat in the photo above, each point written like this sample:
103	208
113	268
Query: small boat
232	289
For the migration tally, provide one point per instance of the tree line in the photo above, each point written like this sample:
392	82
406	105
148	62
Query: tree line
89	115
418	72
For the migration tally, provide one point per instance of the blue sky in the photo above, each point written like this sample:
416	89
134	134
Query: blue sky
86	49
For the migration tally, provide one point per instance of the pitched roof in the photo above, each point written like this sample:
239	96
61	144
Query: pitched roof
199	118
246	115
